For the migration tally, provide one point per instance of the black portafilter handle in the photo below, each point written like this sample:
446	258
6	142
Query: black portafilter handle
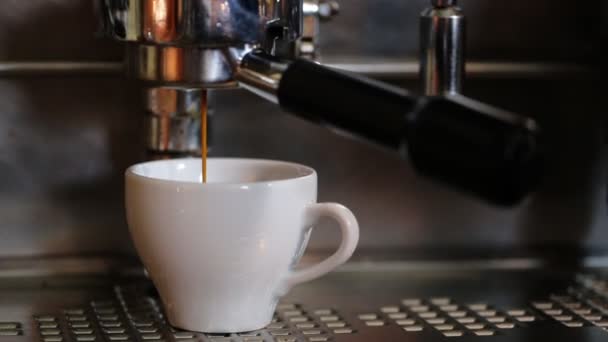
470	146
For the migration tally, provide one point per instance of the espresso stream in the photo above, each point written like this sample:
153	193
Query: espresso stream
204	134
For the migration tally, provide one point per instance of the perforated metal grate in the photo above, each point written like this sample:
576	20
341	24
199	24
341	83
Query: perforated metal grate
584	304
132	317
133	314
447	317
11	329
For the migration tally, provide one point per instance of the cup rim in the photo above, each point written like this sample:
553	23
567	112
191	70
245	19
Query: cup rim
309	173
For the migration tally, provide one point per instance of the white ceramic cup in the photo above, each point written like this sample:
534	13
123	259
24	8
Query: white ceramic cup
222	253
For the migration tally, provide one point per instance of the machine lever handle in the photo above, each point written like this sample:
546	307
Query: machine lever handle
468	145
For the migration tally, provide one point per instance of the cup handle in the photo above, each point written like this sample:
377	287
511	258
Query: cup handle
350	237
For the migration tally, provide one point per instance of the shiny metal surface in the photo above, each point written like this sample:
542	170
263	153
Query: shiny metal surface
202	23
386	69
389	69
190	66
66	141
313	12
173	121
442	49
195	42
354	306
65	68
261	74
325	9
389	29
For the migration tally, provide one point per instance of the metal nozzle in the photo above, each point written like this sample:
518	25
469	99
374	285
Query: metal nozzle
173	120
442	38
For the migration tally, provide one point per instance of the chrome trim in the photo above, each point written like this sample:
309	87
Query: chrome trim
173	120
218	23
129	265
60	68
261	74
442	48
384	69
479	70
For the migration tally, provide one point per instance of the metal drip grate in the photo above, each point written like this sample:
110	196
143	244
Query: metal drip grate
133	314
131	317
585	304
447	317
11	329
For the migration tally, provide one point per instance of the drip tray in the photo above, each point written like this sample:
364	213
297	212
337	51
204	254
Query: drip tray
377	305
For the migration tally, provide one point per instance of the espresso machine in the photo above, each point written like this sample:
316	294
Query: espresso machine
258	45
477	222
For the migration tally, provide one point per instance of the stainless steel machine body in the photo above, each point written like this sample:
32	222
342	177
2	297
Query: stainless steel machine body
53	120
71	124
